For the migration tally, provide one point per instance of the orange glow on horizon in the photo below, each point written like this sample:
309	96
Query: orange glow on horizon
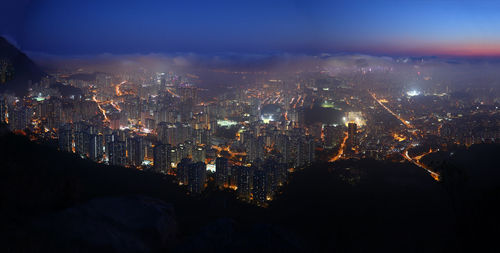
464	48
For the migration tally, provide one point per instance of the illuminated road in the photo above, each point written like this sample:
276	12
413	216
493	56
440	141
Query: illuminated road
172	93
116	106
100	108
421	165
406	123
117	88
405	154
233	154
341	148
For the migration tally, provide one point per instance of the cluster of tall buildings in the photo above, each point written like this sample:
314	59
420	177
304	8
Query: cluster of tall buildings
258	182
250	137
171	130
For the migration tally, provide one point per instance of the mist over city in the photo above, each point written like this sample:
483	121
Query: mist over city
249	126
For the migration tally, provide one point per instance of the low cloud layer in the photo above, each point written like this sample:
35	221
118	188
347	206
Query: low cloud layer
333	64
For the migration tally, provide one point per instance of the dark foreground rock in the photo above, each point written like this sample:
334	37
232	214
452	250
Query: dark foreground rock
120	224
227	235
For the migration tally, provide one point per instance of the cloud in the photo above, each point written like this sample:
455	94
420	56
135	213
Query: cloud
272	62
285	63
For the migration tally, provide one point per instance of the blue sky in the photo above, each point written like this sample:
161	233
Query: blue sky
376	27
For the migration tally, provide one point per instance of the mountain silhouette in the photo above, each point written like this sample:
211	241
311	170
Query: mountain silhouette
20	66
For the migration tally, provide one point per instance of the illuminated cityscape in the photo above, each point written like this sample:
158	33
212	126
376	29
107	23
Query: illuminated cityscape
249	127
154	121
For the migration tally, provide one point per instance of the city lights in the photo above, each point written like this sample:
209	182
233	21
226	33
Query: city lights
413	93
249	126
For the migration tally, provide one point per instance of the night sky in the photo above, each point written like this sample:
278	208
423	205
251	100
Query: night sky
64	27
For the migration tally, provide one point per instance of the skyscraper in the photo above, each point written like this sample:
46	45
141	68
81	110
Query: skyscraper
20	118
199	154
65	138
245	181
259	185
96	150
135	151
197	177
351	130
117	153
162	158
221	172
183	171
82	138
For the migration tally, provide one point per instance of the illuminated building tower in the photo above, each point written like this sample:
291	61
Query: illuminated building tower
315	130
222	172
198	136
293	115
259	186
82	138
162	132
206	138
114	120
233	176
135	151
108	138
173	134
283	146
202	136
300	152
182	171
20	118
310	147
186	111
103	80
162	158
188	94
301	116
172	115
245	181
182	151
183	132
51	110
161	114
197	175
174	156
212	111
255	114
286	100
163	82
281	174
150	123
255	149
199	154
117	153
273	177
65	138
213	126
133	108
246	136
351	130
147	148
96	147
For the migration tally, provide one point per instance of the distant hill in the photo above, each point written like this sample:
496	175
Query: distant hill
22	68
